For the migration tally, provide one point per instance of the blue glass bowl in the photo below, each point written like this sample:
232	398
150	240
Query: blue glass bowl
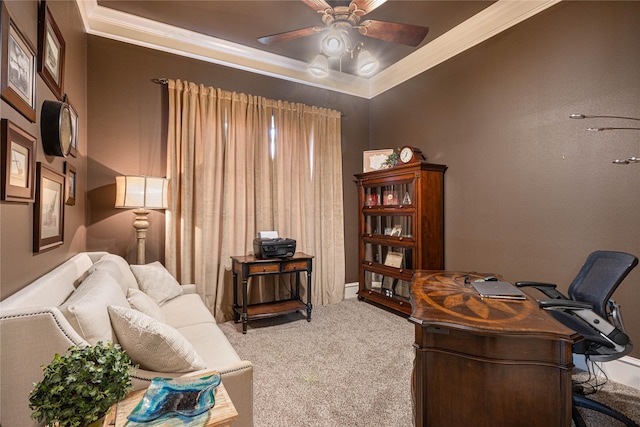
184	397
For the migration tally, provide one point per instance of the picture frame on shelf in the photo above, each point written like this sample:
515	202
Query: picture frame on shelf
48	211
390	198
19	161
394	259
51	48
18	73
73	149
396	231
373	160
70	188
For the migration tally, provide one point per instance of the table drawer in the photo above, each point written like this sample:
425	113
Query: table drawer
293	266
264	268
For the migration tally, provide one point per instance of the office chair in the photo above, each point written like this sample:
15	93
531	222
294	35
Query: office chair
590	311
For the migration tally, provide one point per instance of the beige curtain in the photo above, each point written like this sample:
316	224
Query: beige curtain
239	164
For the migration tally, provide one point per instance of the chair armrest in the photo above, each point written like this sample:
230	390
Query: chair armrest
584	311
549	289
564	304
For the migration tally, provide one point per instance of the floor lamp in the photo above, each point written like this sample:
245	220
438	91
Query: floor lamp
141	193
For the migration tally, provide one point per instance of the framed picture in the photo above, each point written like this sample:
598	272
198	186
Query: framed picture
396	230
51	47
48	211
70	192
373	160
19	161
394	259
18	73
390	198
73	150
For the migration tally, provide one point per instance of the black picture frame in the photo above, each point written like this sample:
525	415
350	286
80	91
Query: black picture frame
71	184
48	211
18	73
19	162
51	47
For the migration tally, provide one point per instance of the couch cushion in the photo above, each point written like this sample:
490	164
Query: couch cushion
211	343
86	308
152	344
156	281
186	310
118	268
145	304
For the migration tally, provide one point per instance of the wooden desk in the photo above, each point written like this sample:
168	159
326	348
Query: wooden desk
250	266
486	362
221	415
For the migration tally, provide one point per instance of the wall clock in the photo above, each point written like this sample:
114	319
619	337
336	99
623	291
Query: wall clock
410	154
55	128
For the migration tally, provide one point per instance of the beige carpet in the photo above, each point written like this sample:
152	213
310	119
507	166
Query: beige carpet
350	366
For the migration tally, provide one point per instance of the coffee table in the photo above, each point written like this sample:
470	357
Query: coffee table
221	415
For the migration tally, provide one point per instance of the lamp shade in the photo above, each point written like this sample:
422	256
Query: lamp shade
319	67
367	64
334	44
146	192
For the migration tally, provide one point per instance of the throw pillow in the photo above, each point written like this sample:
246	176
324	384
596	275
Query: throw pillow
153	345
145	304
118	268
86	308
155	281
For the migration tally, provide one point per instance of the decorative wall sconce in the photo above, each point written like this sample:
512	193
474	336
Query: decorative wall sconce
633	159
141	193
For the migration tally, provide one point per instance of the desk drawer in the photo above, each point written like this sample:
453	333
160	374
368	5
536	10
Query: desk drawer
293	266
264	268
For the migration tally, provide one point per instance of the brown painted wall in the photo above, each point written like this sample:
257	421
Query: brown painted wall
18	264
529	194
127	126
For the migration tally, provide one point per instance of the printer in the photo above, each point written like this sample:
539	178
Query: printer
273	247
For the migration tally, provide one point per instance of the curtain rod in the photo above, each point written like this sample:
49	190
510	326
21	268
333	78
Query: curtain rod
164	81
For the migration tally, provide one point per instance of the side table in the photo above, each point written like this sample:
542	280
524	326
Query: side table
221	415
249	266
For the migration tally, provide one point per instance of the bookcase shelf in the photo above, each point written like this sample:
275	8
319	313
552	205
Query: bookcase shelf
401	229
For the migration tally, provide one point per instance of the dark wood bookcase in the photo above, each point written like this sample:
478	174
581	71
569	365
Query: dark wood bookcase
401	229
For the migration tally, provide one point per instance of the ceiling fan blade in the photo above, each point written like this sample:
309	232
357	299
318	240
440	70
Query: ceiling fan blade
290	35
410	35
317	5
365	6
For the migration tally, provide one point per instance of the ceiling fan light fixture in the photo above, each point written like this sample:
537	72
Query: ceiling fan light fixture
335	43
319	67
367	64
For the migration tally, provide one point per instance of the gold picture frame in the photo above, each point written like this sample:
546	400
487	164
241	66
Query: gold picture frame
372	160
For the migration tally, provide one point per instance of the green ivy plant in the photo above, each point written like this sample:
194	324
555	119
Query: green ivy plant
80	387
391	161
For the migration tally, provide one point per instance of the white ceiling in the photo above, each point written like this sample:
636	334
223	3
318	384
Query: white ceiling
137	30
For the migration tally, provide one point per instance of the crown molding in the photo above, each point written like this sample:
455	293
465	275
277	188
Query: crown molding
116	25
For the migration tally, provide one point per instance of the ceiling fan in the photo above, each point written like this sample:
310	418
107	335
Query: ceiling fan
343	19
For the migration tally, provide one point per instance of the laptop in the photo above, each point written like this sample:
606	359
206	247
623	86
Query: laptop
498	289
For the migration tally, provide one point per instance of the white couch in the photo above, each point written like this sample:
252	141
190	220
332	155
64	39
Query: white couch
69	306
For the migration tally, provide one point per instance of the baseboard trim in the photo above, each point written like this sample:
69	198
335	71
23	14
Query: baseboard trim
351	290
625	370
